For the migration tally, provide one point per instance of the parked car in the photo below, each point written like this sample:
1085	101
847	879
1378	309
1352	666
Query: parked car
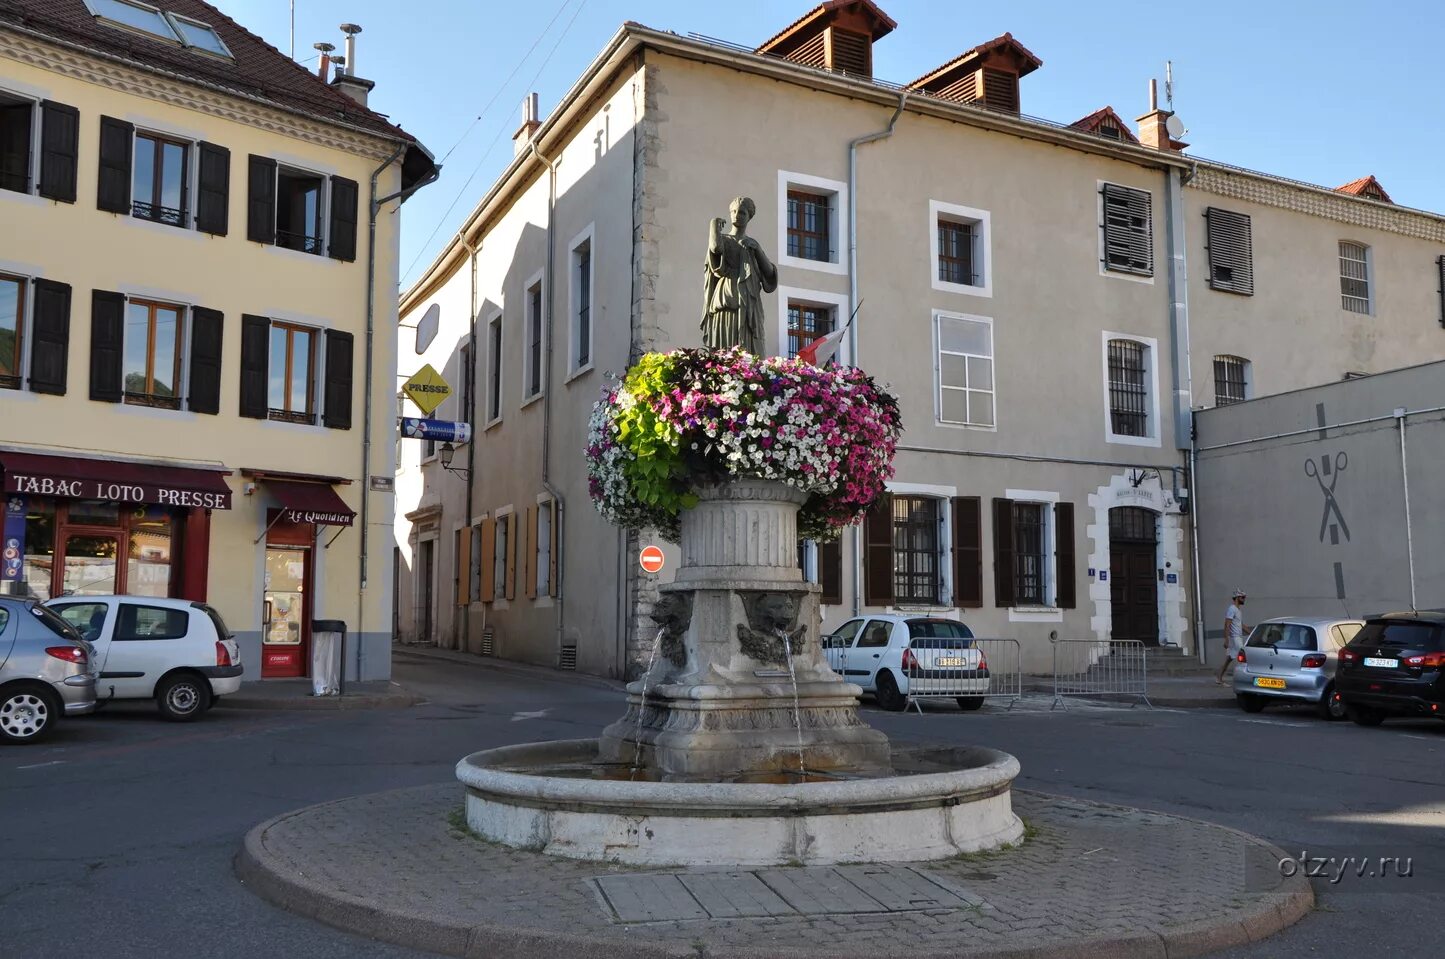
46	671
894	656
173	650
1293	660
1395	666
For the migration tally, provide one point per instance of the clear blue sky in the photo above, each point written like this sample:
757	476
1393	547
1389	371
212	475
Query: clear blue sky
1318	90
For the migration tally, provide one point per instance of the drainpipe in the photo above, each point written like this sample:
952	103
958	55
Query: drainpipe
1180	370
469	416
1409	532
1199	648
558	511
853	146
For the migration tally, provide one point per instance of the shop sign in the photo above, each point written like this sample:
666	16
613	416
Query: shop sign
427	389
109	491
12	556
315	516
439	431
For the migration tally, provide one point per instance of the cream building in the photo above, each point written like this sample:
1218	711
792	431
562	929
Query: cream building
197	323
1049	300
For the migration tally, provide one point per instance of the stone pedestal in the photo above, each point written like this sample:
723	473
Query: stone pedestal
738	641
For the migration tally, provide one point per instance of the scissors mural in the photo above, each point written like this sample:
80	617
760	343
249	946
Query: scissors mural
1331	471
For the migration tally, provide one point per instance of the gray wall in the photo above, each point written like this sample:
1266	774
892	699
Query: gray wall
1268	527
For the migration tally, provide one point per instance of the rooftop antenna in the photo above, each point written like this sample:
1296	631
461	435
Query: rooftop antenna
293	29
1169	85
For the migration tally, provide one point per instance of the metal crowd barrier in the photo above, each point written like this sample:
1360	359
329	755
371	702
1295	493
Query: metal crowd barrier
971	670
1091	668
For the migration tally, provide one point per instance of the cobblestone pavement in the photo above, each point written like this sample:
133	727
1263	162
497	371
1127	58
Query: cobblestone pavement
1091	879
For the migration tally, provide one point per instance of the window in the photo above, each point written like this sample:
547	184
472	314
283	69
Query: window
965	370
465	378
1355	277
299	199
459	559
534	340
955	253
198	35
809	219
150	622
811	214
581	273
1128	393
158	179
494	368
87	618
1229	243
544	548
875	635
808	322
12	331
500	556
137	16
17	133
1231	380
915	550
291	391
960	242
1127	230
1030	567
474	557
153	341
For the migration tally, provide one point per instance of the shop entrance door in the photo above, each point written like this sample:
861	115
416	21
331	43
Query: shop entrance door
286	615
89	563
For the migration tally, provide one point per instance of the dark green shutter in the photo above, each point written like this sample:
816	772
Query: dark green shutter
1064	591
213	189
255	350
117	144
878	553
205	374
345	198
59	151
337	388
967	552
107	346
261	200
1003	552
50	337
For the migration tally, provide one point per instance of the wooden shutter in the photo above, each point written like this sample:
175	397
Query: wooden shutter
489	560
851	52
1229	242
830	572
514	542
1001	90
255	352
117	143
529	553
337	414
261	200
1064	571
552	564
1441	264
213	189
50	337
967	552
344	201
59	151
464	565
205	379
107	333
1003	552
878	553
1128	230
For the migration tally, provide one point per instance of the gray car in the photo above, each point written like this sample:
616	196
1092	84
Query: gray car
46	671
1293	660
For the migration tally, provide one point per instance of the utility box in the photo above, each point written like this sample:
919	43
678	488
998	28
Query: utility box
327	638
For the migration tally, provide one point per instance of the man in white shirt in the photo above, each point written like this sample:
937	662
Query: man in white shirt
1234	632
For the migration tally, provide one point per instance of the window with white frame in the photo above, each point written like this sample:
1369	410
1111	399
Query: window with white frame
1031	553
1231	380
494	368
500	543
18	120
132	15
14	292
581	300
965	370
960	249
808	322
533	359
1132	389
544	548
1355	277
1127	230
811	214
917	575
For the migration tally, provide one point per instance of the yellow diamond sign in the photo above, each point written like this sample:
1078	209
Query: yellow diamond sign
427	389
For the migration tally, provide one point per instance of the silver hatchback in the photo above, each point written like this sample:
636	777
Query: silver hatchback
1293	660
46	671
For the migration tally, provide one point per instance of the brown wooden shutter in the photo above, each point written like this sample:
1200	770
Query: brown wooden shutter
345	197
529	553
59	151
50	337
1229	243
464	565
261	200
1001	90
878	553
514	540
489	560
1065	587
851	52
967	552
117	144
205	377
1003	552
556	526
1441	264
830	572
255	356
213	189
337	387
107	332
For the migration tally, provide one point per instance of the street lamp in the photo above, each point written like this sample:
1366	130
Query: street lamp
445	455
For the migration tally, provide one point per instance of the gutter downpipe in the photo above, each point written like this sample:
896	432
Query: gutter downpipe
469	416
1179	362
1409	532
853	146
558	509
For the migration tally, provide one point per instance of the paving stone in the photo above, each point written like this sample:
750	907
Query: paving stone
731	895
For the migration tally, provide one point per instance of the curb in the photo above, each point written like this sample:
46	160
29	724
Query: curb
321	703
295	892
477	661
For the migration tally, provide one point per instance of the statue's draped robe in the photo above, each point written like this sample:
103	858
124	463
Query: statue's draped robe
733	287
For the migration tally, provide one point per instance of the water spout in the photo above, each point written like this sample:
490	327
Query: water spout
642	701
797	714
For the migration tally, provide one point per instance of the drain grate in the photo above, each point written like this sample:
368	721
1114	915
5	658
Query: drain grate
568	659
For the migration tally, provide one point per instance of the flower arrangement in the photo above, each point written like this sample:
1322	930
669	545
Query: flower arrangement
695	416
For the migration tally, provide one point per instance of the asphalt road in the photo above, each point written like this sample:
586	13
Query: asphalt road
116	837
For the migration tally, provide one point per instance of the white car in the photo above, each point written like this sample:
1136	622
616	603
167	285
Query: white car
175	651
894	657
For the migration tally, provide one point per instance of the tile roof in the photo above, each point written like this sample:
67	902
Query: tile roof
885	23
1095	120
258	69
1366	186
1029	64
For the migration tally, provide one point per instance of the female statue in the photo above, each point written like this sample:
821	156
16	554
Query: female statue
735	278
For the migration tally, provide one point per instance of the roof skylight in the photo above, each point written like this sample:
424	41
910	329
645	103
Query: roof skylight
198	35
171	27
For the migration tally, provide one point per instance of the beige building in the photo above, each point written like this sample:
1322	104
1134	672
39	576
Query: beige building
1050	301
192	284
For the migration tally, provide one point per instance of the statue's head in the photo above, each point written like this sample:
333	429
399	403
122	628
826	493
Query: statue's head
743	209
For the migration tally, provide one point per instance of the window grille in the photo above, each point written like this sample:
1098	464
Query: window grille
1128	396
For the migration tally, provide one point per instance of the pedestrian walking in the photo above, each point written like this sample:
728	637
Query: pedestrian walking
1234	632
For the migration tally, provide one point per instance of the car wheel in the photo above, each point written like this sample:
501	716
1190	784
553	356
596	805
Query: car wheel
970	703
1249	702
1364	715
888	695
183	697
27	714
1332	705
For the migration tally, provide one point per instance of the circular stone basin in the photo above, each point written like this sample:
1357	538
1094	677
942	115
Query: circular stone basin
554	798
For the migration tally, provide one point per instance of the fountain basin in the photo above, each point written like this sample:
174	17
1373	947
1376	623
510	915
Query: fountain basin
554	798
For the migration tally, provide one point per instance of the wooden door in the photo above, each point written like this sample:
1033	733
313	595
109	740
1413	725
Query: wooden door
1134	575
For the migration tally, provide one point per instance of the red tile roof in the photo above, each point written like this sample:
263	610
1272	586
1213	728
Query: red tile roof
1028	61
883	23
1366	186
1095	120
258	70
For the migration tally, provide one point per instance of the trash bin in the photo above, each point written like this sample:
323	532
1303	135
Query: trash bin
327	635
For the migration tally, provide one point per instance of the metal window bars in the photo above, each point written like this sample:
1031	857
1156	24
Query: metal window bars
1354	277
955	253
1128	396
1229	380
808	226
301	242
915	550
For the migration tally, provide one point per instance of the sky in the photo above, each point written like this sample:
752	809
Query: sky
1317	90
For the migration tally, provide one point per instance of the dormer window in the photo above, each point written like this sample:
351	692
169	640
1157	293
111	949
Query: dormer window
988	74
836	36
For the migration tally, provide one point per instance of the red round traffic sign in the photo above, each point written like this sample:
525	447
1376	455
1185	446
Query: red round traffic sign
651	559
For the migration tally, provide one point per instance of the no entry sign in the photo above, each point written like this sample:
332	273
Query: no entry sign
651	559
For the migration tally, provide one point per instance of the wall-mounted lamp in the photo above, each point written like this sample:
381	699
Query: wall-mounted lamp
445	455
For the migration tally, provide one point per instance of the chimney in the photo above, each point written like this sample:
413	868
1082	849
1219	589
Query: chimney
347	81
530	122
1154	125
837	36
324	70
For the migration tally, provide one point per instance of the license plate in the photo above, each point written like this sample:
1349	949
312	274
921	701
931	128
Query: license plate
1381	663
943	661
1264	682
